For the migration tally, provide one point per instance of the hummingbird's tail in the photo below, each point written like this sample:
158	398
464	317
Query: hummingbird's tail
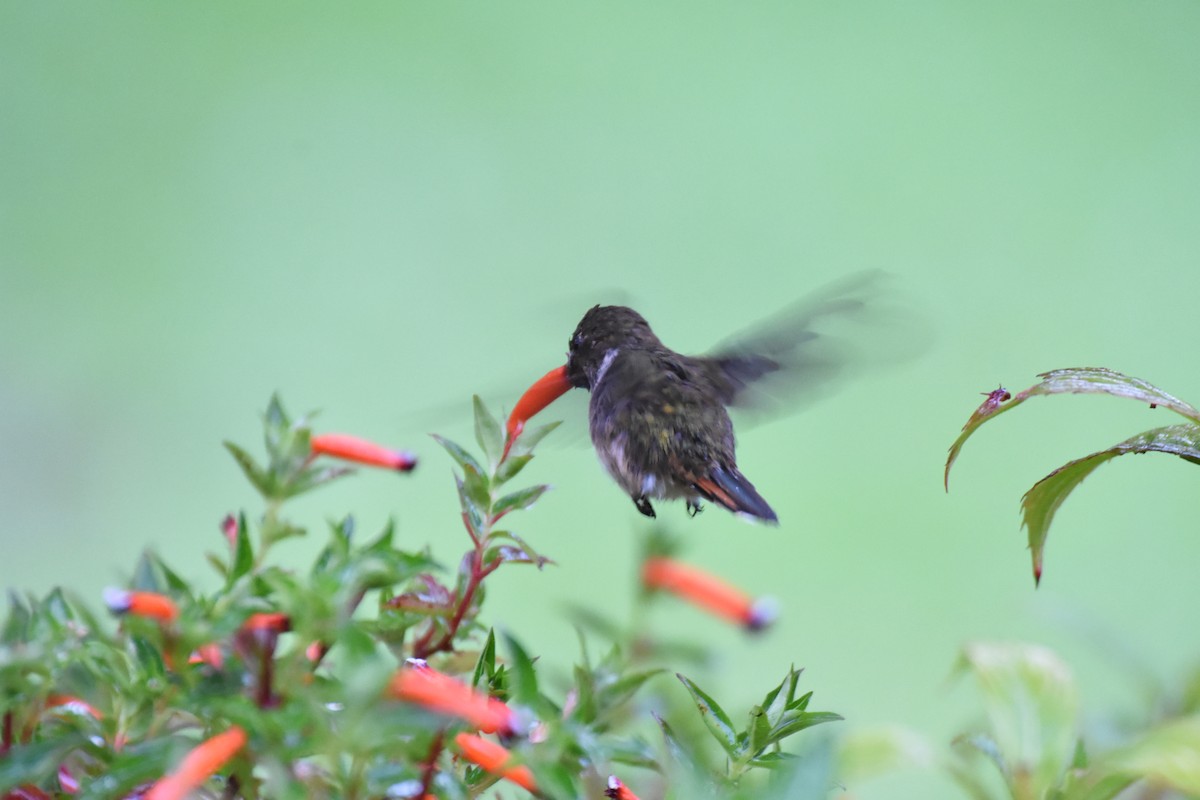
729	488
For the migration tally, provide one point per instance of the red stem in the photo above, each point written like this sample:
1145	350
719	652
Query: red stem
430	767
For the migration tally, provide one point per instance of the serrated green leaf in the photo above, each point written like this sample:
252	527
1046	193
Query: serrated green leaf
522	499
1040	503
1087	380
714	717
487	432
460	456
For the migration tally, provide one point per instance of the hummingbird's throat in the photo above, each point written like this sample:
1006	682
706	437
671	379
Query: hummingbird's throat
605	363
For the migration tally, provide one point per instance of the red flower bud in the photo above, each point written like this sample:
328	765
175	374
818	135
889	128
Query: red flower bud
493	758
351	448
198	765
707	591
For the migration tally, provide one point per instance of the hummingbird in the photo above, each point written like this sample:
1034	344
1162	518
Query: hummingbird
659	419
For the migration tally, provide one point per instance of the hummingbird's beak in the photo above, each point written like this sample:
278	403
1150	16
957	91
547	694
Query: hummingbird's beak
543	392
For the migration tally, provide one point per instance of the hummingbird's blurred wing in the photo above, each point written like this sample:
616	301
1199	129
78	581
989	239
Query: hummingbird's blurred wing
805	349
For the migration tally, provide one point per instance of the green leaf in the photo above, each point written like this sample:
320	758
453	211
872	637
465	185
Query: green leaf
777	700
311	478
758	732
529	439
715	718
461	456
1167	756
486	665
243	553
795	722
510	467
474	514
522	499
1088	380
774	760
679	752
488	432
1040	503
807	778
621	690
254	473
34	763
524	682
1032	708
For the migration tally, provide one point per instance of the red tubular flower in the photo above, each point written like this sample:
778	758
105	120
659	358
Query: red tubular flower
443	694
141	604
351	448
618	791
493	758
543	392
198	765
707	591
269	622
208	654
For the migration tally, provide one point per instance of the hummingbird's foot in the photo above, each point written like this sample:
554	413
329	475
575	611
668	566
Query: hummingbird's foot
694	508
643	505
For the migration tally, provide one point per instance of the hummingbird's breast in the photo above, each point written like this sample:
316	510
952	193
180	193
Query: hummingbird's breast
656	424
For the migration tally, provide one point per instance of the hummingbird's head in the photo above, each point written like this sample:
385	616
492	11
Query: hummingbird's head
604	329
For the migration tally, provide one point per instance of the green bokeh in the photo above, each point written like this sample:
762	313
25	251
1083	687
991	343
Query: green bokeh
379	209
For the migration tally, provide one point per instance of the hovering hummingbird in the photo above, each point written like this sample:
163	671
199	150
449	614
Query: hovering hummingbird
659	419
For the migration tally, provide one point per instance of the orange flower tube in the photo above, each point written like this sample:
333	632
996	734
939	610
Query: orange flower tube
352	448
618	791
141	604
493	758
198	765
441	693
707	591
272	622
543	392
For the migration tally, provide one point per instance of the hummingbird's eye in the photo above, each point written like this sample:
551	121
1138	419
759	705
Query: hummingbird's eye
577	340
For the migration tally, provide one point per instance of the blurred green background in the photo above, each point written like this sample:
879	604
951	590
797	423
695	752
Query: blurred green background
379	209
